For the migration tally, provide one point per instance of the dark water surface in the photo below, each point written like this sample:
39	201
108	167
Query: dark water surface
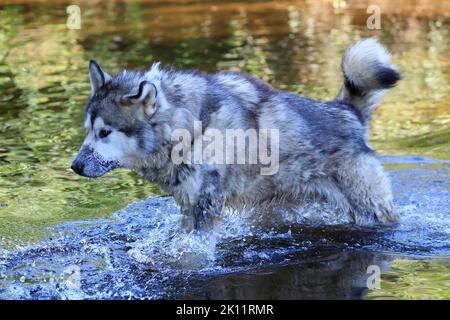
55	225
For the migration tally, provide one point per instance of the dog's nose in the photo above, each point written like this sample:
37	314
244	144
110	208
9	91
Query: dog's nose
77	167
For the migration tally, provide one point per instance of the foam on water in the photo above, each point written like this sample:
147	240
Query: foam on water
141	252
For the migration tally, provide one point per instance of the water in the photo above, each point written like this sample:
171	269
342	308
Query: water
141	253
59	235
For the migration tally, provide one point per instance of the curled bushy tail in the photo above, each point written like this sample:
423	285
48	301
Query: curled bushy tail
367	75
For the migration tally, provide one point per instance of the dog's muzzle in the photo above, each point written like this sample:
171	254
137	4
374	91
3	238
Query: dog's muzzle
91	164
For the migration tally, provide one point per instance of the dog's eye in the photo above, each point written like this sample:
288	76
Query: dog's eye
104	133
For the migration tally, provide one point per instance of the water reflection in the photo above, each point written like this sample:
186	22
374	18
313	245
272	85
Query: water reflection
336	276
139	255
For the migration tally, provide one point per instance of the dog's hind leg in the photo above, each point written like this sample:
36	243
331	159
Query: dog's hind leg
368	191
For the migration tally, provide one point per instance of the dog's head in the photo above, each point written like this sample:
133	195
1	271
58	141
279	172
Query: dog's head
119	133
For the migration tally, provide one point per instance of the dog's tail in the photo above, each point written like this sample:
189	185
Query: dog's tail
367	75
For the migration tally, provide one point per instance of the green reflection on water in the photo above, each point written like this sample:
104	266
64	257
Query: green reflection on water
294	45
43	70
413	279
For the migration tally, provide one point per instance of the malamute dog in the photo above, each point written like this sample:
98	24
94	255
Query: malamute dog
322	148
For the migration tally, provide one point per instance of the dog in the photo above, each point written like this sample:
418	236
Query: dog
322	146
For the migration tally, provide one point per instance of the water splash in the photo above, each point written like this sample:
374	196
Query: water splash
141	252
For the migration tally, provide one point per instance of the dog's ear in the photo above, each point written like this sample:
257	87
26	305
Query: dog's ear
145	97
97	76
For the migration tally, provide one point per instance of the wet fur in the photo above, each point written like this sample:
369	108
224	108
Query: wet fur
323	152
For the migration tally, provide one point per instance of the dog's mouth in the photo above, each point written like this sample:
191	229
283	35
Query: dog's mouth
91	164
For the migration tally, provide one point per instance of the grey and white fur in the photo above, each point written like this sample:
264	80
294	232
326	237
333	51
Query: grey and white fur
323	150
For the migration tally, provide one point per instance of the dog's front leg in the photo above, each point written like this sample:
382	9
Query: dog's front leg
207	213
205	208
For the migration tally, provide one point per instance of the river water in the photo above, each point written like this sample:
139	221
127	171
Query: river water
65	237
